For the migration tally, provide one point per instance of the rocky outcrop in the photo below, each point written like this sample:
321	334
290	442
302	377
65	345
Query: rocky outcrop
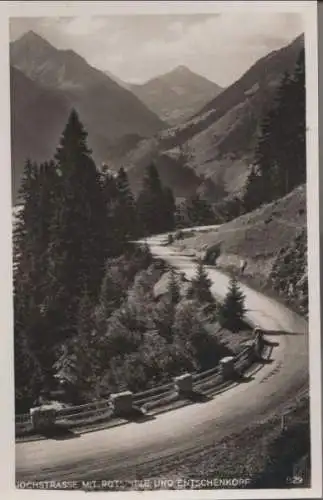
289	273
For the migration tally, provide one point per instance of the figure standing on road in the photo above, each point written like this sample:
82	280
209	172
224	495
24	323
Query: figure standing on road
243	265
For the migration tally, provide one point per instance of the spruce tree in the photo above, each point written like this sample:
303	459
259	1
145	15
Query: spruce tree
169	210
231	312
149	202
31	240
78	247
27	220
200	286
173	288
126	218
199	211
29	377
77	365
253	193
280	154
111	202
299	120
112	293
155	204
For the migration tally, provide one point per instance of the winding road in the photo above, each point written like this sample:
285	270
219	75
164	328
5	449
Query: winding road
113	453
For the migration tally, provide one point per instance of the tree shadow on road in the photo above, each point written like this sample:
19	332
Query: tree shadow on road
196	397
59	432
137	415
242	378
265	361
271	343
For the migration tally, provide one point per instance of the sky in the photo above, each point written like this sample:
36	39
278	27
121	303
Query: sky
135	48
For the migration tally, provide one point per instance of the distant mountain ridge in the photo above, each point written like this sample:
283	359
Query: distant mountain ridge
218	142
176	95
109	112
209	153
33	134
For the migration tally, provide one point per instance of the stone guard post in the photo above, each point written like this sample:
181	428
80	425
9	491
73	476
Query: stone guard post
122	403
42	417
227	368
183	384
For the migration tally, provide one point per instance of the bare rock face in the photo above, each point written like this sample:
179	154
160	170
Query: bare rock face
289	274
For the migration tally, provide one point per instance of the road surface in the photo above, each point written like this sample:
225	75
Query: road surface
115	453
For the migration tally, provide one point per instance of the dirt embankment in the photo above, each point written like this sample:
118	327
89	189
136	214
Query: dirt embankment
271	244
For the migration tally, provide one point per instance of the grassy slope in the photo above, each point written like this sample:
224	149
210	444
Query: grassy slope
262	238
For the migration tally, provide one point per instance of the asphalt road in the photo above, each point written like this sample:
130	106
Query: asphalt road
117	452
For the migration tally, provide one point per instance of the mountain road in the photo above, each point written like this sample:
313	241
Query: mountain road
116	452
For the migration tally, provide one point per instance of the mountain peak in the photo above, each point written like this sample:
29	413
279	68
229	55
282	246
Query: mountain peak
181	71
177	95
182	68
33	40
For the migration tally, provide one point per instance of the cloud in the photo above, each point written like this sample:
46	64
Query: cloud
84	26
136	48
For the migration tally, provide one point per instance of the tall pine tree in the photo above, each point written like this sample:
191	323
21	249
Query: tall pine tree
199	211
280	154
79	244
155	205
126	217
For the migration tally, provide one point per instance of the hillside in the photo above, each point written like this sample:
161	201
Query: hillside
272	241
177	95
33	134
109	112
219	141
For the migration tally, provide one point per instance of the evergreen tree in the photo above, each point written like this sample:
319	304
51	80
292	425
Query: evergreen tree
126	211
200	286
164	313
169	210
78	245
299	120
199	212
111	202
77	366
253	191
112	293
155	204
173	288
263	157
180	217
32	330
28	223
231	312
149	202
280	154
29	377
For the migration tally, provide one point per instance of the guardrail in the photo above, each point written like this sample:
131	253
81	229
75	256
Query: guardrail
101	410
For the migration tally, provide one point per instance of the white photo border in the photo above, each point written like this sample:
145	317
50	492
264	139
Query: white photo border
87	8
